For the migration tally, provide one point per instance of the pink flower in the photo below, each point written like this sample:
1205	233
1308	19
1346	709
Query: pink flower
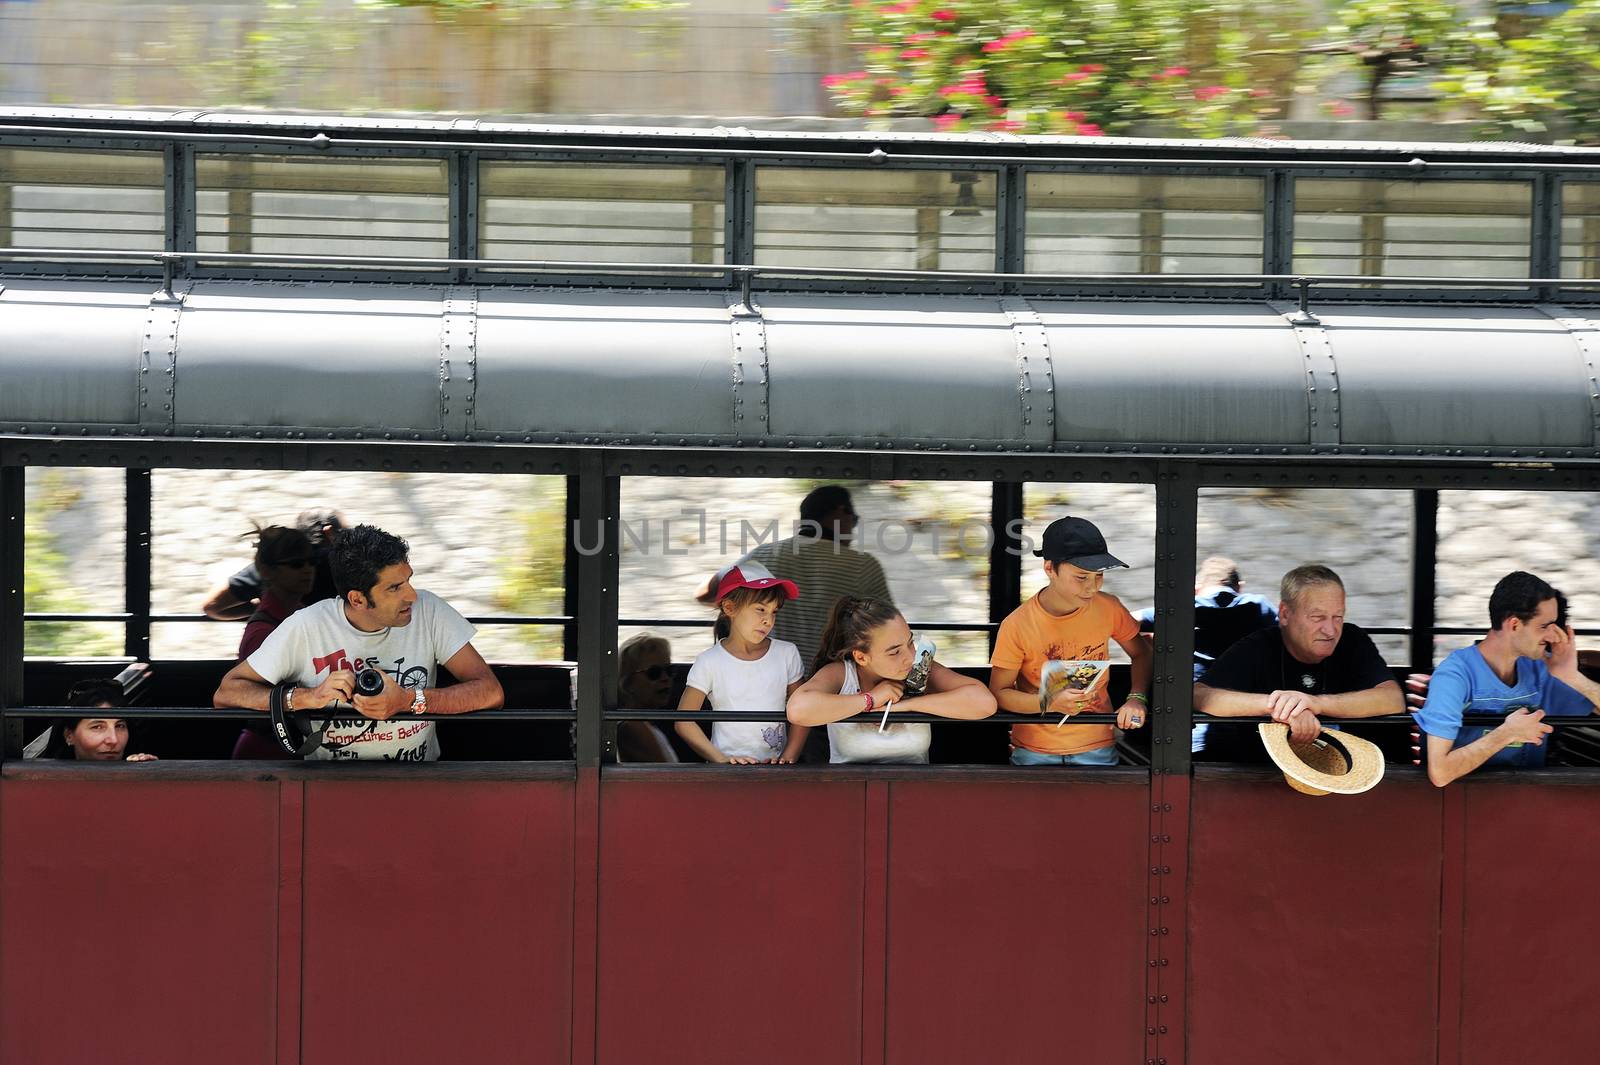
944	14
918	38
1072	116
1092	68
1007	124
996	45
1210	92
833	81
914	53
994	101
1076	75
1176	72
899	9
946	120
1089	129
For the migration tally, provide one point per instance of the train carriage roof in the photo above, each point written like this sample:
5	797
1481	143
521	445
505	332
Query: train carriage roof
808	369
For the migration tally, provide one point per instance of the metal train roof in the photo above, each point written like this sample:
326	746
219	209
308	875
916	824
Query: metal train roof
317	360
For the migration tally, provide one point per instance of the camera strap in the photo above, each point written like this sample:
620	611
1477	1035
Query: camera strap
296	740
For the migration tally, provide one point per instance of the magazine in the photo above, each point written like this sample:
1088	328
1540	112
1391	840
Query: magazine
1076	677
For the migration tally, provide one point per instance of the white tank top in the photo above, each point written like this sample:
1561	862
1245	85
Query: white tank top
903	741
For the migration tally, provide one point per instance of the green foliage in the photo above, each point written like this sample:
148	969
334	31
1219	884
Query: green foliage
447	7
1089	67
47	584
1542	81
531	579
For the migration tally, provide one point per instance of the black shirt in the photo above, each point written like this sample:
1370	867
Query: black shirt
1261	663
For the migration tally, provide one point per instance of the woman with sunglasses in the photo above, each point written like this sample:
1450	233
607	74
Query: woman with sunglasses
644	682
286	561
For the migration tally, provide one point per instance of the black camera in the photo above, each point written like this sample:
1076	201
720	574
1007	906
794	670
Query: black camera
369	682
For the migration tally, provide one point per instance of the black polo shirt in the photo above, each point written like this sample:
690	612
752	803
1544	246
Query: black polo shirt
1261	663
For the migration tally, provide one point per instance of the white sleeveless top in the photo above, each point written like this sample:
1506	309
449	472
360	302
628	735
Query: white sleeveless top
903	741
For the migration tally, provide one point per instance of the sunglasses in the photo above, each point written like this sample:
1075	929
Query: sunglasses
653	672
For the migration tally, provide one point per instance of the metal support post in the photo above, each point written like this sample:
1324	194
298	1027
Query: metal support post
599	505
569	576
1005	552
13	520
136	567
1424	576
1177	505
1010	220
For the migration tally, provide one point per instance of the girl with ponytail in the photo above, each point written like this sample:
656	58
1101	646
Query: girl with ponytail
860	668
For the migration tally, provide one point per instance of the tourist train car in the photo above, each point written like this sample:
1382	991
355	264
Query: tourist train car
247	292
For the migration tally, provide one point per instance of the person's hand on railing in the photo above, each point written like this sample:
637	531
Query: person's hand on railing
1298	710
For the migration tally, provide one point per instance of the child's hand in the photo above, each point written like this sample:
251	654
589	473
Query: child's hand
1068	703
1131	714
886	691
742	760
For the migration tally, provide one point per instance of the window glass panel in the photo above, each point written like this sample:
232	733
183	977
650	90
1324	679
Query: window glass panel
1364	535
1147	224
902	220
73	559
59	199
1124	513
1477	548
931	538
601	214
1412	228
315	206
485	544
1580	229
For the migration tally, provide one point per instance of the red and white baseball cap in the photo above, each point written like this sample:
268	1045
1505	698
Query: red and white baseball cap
752	575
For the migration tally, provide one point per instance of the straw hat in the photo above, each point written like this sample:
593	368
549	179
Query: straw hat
1333	762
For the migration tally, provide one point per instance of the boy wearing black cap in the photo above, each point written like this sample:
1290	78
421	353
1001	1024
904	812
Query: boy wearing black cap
1069	619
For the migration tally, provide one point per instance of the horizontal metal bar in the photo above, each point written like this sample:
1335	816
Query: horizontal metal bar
1590	720
161	713
1003	717
757	270
874	155
929	626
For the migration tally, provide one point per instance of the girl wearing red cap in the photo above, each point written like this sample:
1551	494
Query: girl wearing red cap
746	669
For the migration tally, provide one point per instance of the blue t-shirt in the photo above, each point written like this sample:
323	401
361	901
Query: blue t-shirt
1465	684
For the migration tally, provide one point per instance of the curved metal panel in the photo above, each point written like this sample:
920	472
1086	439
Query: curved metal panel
70	354
324	357
604	363
911	369
1458	377
1172	373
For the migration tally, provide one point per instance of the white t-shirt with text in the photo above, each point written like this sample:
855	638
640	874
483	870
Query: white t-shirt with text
735	684
319	640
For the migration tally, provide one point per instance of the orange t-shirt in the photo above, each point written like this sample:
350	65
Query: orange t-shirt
1030	636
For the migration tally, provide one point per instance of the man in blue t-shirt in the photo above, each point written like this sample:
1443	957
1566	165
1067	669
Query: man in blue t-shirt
1524	669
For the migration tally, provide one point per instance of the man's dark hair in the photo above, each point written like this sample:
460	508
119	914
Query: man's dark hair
1518	595
359	555
821	502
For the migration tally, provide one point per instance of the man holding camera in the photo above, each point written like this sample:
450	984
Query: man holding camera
379	622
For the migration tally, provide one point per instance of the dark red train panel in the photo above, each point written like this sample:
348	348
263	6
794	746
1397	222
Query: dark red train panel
1313	922
1529	869
138	920
437	921
1016	919
730	919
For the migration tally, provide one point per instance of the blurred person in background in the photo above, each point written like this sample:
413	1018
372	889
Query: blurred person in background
237	599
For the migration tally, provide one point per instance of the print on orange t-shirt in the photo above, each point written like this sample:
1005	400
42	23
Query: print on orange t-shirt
1030	636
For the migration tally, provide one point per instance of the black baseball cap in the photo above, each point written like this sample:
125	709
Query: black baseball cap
1077	541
